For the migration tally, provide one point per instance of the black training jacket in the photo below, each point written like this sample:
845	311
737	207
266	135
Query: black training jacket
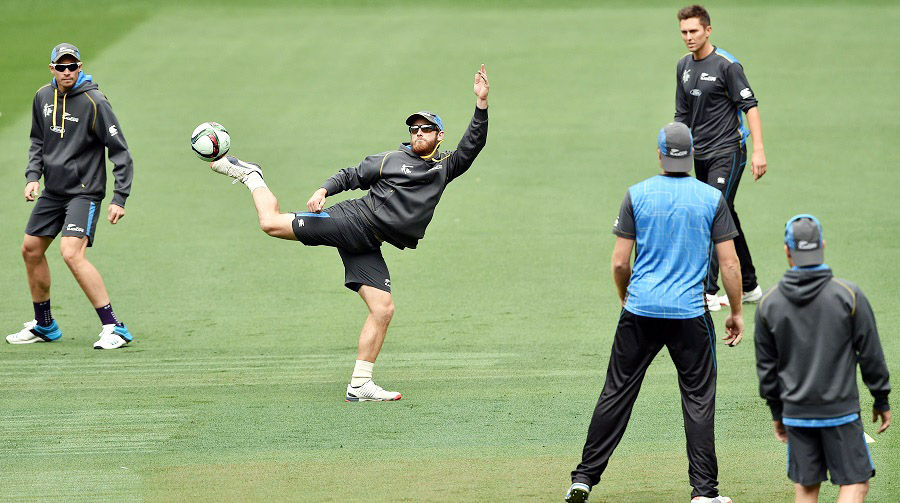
404	188
69	135
812	330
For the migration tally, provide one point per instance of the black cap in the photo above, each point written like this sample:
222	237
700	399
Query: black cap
62	50
803	237
676	145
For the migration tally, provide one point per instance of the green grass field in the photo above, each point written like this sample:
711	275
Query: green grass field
233	388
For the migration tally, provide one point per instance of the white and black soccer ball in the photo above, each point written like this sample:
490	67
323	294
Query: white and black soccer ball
210	141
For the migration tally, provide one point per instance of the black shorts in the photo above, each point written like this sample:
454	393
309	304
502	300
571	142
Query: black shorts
344	227
842	450
76	217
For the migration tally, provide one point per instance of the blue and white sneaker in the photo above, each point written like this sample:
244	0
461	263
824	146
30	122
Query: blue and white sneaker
35	333
235	168
578	493
112	337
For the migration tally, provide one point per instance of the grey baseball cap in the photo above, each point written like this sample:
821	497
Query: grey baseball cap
62	50
803	237
676	145
429	116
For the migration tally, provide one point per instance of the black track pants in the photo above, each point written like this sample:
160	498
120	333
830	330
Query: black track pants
691	345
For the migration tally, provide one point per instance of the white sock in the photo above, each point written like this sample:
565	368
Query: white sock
254	181
362	372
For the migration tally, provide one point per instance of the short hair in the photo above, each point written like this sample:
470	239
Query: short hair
694	11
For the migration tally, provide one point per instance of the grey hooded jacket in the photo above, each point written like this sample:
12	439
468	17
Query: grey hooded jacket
69	133
404	188
812	330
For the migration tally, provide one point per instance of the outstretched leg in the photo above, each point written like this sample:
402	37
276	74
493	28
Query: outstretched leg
271	220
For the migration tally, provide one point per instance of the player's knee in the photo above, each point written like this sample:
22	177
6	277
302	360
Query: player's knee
384	312
71	254
31	252
270	226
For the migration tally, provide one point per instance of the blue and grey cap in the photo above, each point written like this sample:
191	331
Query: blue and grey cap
676	145
803	237
62	50
431	117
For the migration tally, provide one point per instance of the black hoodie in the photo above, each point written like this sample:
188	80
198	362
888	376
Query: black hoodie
812	330
405	188
69	133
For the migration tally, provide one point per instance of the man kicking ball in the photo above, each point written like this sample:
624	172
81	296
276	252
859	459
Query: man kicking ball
404	187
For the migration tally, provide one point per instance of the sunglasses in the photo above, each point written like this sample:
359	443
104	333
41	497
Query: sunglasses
425	128
70	66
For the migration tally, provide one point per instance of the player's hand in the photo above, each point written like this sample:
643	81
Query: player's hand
780	431
116	212
734	330
482	87
31	190
758	164
317	201
885	418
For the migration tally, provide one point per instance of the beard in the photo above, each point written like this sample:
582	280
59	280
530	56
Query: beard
423	147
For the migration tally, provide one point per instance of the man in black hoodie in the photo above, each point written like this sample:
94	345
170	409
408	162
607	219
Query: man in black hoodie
72	127
404	187
811	331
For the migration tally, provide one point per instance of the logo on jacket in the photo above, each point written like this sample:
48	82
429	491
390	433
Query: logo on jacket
437	166
746	93
696	92
69	117
47	110
113	131
707	77
406	168
686	76
387	283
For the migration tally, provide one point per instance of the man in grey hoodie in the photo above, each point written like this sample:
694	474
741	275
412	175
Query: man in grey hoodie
812	330
404	187
72	126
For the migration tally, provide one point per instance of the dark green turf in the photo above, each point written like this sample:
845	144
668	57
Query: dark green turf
233	388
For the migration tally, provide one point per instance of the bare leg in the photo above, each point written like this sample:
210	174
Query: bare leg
73	249
271	220
381	310
806	494
853	493
34	250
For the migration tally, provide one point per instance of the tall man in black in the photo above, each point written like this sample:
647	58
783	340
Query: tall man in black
671	218
711	92
812	331
404	187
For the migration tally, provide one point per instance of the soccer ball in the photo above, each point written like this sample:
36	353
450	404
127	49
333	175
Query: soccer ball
210	141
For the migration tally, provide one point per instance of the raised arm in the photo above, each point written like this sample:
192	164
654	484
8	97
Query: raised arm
475	137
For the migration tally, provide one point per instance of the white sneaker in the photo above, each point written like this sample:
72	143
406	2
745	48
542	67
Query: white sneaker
370	392
235	168
35	333
752	296
112	337
717	499
578	493
712	302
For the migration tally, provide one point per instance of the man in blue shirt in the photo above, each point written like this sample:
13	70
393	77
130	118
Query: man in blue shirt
672	217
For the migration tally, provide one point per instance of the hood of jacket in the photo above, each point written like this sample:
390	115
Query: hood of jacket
802	285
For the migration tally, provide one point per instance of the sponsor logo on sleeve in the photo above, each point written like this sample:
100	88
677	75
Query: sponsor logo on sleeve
113	131
746	93
616	223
